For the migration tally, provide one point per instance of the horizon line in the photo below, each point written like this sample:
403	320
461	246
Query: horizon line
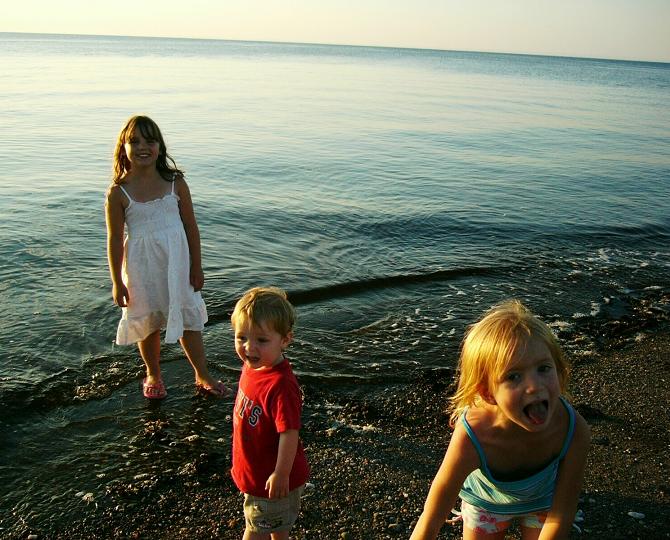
271	42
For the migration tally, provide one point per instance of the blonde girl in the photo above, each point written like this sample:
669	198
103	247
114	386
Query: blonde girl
156	269
519	448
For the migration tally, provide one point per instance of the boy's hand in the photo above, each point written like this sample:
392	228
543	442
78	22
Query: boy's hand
277	486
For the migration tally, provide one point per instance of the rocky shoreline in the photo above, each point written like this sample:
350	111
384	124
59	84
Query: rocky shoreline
374	452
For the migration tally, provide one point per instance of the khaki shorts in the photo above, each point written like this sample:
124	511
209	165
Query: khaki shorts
263	515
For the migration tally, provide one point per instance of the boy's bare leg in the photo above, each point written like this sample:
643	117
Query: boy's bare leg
280	535
150	350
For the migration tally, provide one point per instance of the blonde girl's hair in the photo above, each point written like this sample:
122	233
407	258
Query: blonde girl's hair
268	305
488	347
166	166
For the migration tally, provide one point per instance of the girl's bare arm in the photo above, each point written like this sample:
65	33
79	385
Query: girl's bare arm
569	484
115	219
459	461
192	232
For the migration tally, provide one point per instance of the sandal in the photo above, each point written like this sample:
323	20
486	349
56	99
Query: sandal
218	390
154	391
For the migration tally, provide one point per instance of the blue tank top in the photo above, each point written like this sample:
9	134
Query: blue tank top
530	494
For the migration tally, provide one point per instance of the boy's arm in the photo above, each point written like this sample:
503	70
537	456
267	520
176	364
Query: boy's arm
569	484
277	484
459	461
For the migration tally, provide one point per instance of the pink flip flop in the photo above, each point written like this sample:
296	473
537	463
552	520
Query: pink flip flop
154	391
218	390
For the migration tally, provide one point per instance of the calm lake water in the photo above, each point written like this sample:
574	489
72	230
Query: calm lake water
395	193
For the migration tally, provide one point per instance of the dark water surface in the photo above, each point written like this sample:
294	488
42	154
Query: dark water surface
395	193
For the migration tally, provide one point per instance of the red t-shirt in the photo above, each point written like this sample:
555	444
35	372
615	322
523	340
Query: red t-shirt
268	403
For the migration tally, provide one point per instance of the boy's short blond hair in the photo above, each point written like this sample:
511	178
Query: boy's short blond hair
268	305
490	344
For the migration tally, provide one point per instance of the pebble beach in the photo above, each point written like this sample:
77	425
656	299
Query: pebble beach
373	459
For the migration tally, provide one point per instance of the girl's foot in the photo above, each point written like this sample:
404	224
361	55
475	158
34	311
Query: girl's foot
216	389
154	390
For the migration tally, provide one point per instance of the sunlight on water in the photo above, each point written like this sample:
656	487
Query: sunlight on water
396	194
361	162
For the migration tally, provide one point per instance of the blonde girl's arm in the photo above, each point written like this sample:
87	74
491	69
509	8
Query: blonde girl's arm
115	218
459	461
568	484
197	277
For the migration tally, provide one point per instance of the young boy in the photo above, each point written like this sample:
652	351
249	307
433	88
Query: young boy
269	464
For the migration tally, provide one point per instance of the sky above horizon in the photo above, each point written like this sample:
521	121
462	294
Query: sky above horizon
617	29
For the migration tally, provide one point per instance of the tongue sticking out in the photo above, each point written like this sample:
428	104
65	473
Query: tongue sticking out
537	412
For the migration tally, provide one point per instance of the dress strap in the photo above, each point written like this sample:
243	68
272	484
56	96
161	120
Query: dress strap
130	199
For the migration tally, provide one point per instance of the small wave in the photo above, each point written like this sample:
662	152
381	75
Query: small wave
633	234
341	290
219	309
98	378
53	391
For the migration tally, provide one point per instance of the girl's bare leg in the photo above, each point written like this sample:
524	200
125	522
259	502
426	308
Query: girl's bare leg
528	533
470	534
150	350
194	349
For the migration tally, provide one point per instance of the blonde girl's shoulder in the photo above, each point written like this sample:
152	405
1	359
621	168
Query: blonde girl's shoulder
482	423
582	434
463	448
477	417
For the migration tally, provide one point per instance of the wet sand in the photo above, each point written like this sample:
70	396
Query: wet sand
373	456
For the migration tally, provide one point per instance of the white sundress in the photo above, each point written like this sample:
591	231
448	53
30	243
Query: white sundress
156	269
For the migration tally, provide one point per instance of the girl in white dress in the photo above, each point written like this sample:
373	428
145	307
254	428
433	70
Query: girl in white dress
156	269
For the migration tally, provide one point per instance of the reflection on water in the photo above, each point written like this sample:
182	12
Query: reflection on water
395	194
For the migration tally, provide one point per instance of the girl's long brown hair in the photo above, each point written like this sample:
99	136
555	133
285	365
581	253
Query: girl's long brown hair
165	165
